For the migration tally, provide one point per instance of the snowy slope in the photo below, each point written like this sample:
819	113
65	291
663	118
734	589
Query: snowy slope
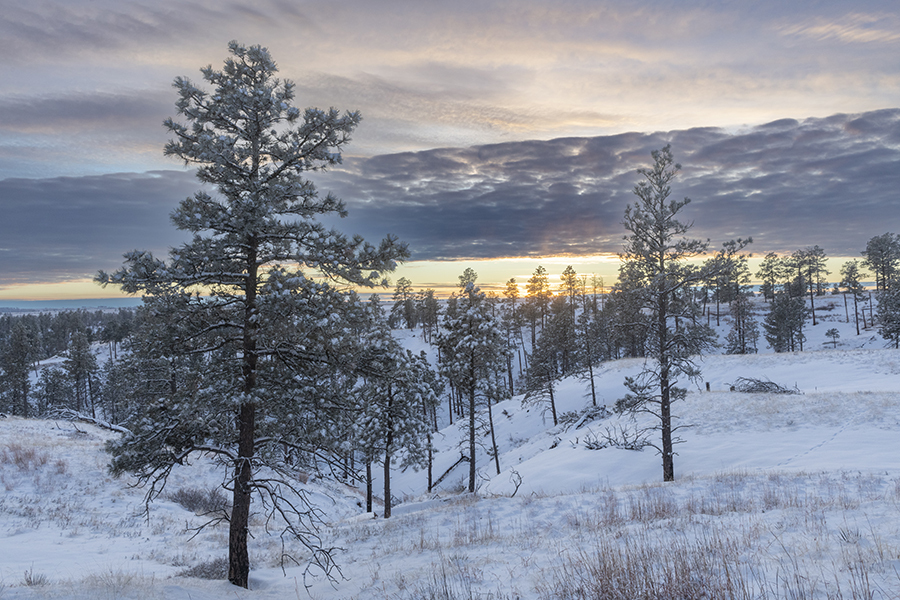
797	496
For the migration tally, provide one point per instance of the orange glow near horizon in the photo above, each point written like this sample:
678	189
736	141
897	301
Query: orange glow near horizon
441	276
76	289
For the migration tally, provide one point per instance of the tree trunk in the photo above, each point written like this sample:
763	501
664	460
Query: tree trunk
812	306
238	555
846	308
368	486
430	465
665	408
387	480
388	443
493	437
552	402
472	430
593	386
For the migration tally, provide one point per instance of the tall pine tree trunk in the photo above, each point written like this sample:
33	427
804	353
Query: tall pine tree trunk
238	555
388	443
368	485
472	428
665	401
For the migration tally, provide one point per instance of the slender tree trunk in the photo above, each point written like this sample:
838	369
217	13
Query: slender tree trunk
24	392
91	396
552	401
593	386
388	449
847	309
430	465
472	429
665	408
239	556
812	306
368	486
387	478
450	403
718	323
493	437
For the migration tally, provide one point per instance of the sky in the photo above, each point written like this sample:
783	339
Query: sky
490	130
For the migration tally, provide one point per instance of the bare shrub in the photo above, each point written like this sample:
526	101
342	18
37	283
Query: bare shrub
32	579
25	458
455	578
216	568
200	501
651	504
117	583
638	570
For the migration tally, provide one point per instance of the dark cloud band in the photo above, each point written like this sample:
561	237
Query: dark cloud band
789	184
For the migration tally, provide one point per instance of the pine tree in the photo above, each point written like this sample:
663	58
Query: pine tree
80	365
589	335
882	256
570	286
656	256
810	264
473	358
53	390
397	395
428	311
17	355
851	276
538	298
404	308
729	273
744	333
889	313
770	273
512	327
551	357
239	292
630	323
783	324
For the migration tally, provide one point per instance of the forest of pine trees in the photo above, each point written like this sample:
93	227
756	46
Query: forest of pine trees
252	346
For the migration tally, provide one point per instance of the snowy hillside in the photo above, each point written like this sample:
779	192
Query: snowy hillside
777	496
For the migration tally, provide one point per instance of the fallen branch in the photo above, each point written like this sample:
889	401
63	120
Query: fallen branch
71	415
749	385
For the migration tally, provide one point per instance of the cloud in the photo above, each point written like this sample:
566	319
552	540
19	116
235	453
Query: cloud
70	227
788	184
852	28
77	112
435	74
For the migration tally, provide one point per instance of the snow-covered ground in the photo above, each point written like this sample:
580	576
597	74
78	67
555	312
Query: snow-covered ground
781	496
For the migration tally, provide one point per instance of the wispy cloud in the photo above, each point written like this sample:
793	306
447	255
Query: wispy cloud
854	28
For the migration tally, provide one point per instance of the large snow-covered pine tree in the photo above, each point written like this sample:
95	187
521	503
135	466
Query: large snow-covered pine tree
242	293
